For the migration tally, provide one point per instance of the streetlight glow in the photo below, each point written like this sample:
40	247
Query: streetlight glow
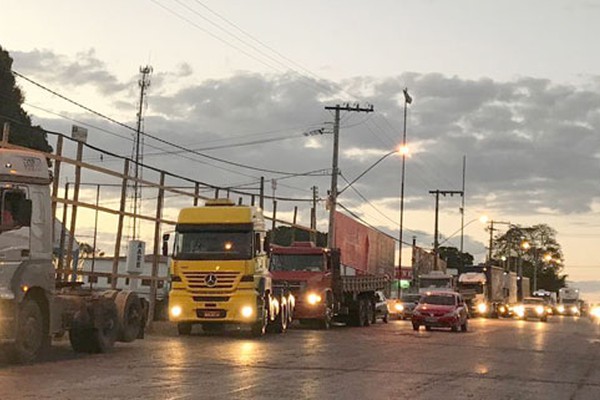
404	150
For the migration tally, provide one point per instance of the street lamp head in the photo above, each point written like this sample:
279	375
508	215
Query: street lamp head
547	257
525	245
404	150
484	219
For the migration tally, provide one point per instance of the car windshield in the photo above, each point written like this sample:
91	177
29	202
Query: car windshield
297	262
439	300
533	301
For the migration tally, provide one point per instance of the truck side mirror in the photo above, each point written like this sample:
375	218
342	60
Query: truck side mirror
165	244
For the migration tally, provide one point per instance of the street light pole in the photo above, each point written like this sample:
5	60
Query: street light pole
407	101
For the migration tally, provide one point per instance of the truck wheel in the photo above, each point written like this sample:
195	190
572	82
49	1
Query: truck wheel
427	328
259	328
364	318
184	328
325	323
415	327
81	339
30	340
129	310
370	310
281	321
106	326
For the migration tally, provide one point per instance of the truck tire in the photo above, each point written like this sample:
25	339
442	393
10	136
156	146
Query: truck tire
415	327
280	324
105	320
129	310
363	312
31	338
184	328
81	339
259	328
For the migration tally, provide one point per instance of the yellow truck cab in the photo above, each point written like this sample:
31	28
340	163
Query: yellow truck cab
219	271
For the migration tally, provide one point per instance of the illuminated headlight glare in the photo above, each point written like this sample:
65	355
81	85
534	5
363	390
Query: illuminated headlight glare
519	310
575	310
313	298
247	311
399	307
502	309
595	312
560	309
539	310
482	308
176	311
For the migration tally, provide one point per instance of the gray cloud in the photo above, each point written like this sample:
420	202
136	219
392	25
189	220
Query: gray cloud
531	145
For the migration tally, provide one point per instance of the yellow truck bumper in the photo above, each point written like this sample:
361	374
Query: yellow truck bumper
234	308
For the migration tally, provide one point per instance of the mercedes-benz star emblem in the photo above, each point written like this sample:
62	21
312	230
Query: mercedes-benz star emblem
210	280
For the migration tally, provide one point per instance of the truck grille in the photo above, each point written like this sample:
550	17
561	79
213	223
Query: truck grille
208	299
213	282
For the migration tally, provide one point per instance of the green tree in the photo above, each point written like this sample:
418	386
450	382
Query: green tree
454	258
22	132
537	248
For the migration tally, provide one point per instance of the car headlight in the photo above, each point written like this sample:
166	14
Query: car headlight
574	309
539	310
595	312
247	311
399	307
176	311
519	310
502	309
482	308
313	298
560	309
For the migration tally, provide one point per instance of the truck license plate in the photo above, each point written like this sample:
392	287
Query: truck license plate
212	314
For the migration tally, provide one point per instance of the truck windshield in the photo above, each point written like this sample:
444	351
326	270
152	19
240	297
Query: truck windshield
470	287
568	301
438	300
297	262
435	283
213	245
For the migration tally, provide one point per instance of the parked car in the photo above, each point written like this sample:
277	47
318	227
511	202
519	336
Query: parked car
440	309
532	307
381	307
405	306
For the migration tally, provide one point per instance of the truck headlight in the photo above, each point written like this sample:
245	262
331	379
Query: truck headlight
313	298
560	309
482	308
247	311
176	311
595	312
399	307
539	310
575	310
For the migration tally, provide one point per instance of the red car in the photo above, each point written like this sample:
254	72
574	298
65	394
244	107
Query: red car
440	309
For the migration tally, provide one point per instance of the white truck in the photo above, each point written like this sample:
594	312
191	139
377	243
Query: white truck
34	305
485	291
568	302
436	281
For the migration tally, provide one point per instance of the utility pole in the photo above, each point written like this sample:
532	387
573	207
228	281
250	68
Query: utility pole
491	245
437	206
313	216
334	170
462	210
407	100
144	83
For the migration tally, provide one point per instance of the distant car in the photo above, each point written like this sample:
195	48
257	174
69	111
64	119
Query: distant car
531	307
568	308
440	309
405	306
381	308
594	312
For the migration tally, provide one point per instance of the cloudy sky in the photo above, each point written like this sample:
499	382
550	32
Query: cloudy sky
512	85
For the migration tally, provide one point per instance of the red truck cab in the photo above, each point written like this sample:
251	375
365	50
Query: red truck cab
302	268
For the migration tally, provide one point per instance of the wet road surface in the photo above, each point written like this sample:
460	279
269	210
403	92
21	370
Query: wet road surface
496	359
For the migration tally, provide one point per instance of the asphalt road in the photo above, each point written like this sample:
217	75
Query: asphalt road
496	359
